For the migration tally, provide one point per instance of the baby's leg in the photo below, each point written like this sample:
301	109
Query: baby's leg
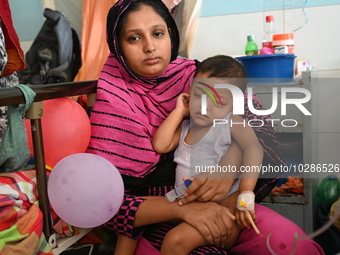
184	238
181	240
125	245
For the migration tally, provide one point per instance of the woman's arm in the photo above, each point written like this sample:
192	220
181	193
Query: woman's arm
168	134
213	221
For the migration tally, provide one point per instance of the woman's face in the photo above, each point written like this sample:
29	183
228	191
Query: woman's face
145	42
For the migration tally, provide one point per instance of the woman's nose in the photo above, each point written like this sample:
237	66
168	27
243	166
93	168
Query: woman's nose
149	45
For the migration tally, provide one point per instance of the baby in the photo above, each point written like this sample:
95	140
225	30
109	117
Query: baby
203	141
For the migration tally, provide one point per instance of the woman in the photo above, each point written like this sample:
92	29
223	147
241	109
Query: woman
137	89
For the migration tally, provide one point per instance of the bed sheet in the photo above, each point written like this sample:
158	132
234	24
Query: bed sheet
21	220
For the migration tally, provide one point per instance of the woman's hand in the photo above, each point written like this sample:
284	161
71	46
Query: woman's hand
213	221
207	189
214	186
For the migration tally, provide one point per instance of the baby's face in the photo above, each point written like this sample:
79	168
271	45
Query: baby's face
219	104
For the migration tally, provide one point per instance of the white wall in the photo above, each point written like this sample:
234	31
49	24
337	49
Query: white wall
33	22
318	41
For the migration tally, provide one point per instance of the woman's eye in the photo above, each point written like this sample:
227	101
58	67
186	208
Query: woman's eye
134	38
158	34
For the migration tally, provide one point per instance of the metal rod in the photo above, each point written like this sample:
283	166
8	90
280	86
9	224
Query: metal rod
14	96
39	156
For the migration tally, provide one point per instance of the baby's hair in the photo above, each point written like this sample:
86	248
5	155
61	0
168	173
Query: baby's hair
225	67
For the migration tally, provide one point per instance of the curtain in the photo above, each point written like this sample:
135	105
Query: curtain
94	46
186	15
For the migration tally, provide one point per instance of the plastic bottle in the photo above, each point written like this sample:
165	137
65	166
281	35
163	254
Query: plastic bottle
283	43
269	30
177	192
251	47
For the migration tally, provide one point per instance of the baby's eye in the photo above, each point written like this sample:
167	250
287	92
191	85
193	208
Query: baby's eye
219	104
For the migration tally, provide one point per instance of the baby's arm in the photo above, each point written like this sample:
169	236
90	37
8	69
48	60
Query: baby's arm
252	160
167	135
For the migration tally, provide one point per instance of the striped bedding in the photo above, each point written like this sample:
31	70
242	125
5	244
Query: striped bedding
21	221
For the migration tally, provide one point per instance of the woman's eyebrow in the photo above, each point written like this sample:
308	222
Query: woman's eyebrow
135	30
158	25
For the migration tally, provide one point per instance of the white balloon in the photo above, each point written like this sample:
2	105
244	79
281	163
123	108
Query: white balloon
85	190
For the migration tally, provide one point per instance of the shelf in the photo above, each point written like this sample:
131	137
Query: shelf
296	207
266	87
286	199
293	121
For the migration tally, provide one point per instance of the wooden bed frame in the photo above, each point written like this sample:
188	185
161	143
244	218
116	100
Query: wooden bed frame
14	96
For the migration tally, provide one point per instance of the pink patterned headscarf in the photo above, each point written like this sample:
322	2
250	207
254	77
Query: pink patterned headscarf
130	108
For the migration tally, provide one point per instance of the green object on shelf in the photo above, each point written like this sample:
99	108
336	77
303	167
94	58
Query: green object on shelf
329	190
251	47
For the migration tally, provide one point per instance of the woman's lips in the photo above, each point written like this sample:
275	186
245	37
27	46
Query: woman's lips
152	61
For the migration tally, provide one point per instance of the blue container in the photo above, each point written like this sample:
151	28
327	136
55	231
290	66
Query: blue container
269	68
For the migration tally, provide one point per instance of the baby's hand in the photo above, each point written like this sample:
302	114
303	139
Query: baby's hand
182	104
245	209
243	219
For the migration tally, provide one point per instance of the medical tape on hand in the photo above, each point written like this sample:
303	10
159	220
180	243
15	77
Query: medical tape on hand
247	197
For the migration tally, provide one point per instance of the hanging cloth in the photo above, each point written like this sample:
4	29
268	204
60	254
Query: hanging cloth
14	151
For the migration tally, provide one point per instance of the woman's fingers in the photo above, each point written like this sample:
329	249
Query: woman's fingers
213	190
230	215
217	232
207	189
228	225
194	191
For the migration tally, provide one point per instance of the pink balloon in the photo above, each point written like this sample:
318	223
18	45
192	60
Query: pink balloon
66	129
85	190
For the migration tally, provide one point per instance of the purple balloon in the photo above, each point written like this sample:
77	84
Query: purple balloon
85	190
